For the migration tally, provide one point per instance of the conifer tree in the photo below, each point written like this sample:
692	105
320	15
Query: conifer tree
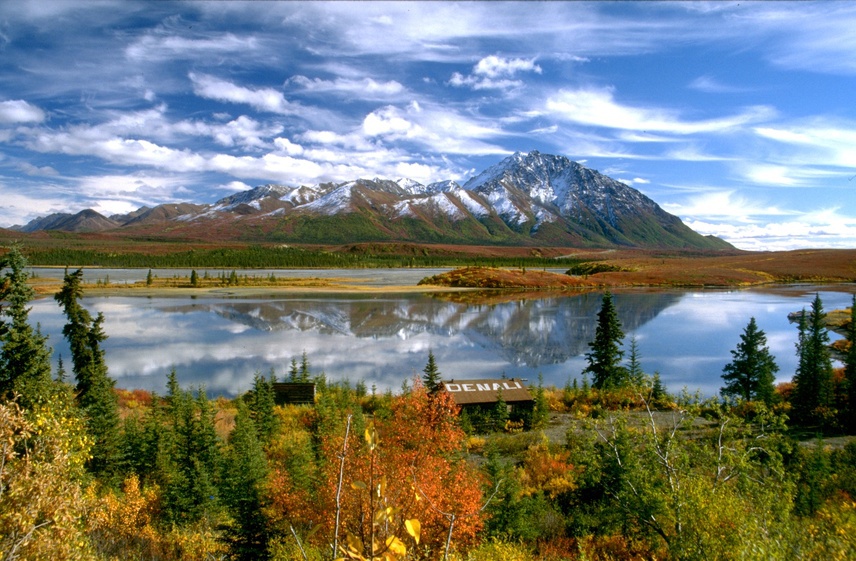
604	360
658	390
293	371
261	403
244	474
188	454
634	367
431	377
25	367
751	373
95	394
305	373
813	387
500	412
541	410
850	367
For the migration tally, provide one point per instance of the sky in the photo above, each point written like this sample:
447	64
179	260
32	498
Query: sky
739	118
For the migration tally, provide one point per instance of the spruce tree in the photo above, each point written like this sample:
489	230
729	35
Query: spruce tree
813	384
25	367
604	360
261	403
189	457
95	393
751	373
293	372
850	367
244	474
634	367
431	377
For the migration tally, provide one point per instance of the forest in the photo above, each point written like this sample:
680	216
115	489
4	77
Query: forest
614	467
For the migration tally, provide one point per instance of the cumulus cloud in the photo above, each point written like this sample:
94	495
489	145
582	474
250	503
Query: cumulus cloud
494	72
19	111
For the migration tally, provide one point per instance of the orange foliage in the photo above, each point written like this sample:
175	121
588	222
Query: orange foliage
133	399
547	471
417	471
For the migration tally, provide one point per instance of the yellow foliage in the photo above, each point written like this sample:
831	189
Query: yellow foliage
42	454
123	526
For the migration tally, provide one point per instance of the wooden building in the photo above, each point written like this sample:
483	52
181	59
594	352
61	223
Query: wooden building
484	394
293	393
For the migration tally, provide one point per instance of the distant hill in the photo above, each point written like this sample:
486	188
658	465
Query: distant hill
526	199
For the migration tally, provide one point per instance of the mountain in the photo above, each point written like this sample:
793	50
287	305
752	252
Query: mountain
84	221
526	199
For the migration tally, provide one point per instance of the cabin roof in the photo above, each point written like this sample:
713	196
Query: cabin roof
473	392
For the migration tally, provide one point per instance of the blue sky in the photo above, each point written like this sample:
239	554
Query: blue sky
737	117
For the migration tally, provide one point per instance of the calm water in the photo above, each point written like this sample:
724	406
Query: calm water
221	343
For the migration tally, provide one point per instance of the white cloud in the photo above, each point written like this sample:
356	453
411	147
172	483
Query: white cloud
19	111
598	107
781	236
820	142
634	181
264	99
493	72
156	46
709	84
366	88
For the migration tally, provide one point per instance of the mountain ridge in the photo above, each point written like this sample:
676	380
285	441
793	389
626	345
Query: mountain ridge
525	199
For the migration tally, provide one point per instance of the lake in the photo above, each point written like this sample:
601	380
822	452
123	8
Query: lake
221	342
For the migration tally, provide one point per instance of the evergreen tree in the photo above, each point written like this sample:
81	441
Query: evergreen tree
541	411
245	471
95	393
634	367
850	367
194	278
500	414
149	278
305	373
604	360
813	387
431	377
293	372
261	403
751	373
188	458
658	390
25	366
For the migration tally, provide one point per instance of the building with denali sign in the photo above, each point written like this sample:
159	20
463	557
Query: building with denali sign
485	393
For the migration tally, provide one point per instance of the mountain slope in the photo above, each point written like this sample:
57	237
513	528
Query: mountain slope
526	199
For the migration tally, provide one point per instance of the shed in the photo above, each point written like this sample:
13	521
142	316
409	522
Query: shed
293	393
485	393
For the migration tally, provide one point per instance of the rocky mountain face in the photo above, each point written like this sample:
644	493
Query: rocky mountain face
525	199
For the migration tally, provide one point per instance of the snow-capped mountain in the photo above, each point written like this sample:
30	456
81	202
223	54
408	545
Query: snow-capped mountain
529	198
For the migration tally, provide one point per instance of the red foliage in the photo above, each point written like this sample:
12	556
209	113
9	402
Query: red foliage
417	469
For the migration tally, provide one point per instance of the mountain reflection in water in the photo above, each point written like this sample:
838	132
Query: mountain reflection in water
384	340
524	332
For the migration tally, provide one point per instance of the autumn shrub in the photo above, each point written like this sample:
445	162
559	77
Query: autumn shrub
126	525
830	534
133	399
417	468
495	549
42	457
